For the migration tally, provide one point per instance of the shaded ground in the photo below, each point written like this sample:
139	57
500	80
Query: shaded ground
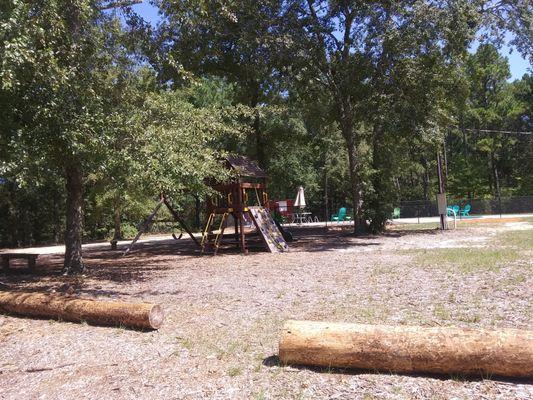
224	314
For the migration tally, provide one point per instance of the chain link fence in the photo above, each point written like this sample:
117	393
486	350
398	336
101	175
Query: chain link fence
412	209
479	206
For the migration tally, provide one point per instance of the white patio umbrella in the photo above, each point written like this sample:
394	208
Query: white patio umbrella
300	198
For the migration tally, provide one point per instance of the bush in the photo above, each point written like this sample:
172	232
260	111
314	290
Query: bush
127	229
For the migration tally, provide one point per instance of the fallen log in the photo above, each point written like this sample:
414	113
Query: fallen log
408	349
69	308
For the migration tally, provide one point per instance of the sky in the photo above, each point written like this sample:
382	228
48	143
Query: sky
519	66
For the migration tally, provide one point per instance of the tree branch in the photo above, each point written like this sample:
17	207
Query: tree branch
348	21
320	38
119	4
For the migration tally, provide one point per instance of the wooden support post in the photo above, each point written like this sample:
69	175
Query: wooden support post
206	232
408	349
240	212
236	227
145	226
241	233
220	235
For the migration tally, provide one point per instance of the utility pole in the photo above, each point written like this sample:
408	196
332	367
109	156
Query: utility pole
326	196
441	197
498	192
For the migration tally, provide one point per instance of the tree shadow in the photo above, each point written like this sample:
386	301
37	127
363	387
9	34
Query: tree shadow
406	232
153	257
274	361
146	260
318	239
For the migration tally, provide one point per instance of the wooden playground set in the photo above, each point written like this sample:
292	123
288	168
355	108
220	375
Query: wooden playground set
242	201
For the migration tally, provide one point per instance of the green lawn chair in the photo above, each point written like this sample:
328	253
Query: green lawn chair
465	212
396	213
340	216
348	216
450	211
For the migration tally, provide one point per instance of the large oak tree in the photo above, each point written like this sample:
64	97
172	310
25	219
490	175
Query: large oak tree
81	106
389	68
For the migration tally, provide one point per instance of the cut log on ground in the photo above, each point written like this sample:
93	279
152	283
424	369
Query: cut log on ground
69	308
408	349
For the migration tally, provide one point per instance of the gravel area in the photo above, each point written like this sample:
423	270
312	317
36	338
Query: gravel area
224	313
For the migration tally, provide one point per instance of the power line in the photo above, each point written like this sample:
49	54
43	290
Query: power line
497	131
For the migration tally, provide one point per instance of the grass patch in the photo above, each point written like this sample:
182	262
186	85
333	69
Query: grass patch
234	371
515	280
185	343
415	227
381	269
261	395
467	260
229	350
521	239
441	312
469	317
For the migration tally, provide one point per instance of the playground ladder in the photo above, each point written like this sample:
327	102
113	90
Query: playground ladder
207	235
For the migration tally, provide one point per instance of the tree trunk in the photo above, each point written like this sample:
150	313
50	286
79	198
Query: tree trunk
494	175
491	173
57	217
380	203
259	140
355	188
73	263
197	223
408	349
425	180
116	219
68	308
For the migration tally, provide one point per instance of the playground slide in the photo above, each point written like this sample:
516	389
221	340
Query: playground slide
268	230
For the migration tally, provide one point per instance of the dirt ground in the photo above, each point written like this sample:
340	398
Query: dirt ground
224	313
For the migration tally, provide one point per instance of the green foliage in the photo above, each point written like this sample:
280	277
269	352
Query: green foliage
237	40
173	152
80	102
290	154
128	230
55	59
356	94
480	162
387	76
31	213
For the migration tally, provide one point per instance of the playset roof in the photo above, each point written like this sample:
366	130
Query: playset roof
246	167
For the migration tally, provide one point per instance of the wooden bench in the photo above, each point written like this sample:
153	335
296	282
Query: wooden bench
29	257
